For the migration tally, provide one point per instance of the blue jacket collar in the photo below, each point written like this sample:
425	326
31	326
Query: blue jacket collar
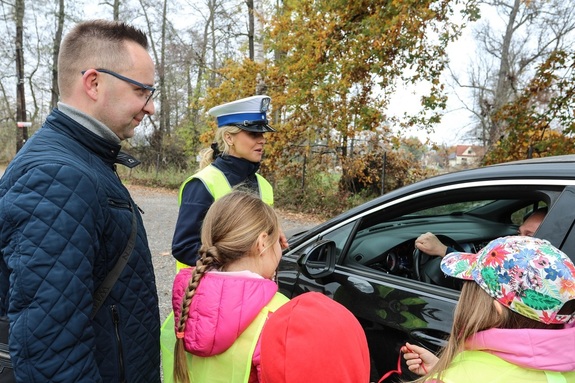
242	167
108	151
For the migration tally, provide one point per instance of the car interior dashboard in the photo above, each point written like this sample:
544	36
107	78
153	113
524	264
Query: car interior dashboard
389	247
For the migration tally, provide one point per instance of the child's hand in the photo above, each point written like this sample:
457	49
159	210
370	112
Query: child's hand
418	359
283	241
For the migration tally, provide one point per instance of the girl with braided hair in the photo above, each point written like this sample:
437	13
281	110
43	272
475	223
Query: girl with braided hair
221	305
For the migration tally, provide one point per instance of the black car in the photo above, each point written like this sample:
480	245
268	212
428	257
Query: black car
366	260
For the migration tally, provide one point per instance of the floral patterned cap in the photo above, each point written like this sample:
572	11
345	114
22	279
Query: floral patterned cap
528	275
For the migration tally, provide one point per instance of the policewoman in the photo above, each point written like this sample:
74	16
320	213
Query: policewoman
232	161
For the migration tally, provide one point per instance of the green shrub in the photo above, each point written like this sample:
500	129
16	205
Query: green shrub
319	196
169	177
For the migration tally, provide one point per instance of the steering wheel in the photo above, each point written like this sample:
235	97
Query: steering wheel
427	268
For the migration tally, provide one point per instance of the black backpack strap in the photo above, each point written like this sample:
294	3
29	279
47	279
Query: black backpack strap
106	286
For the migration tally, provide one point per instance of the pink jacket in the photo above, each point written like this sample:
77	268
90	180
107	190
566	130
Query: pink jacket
552	350
224	305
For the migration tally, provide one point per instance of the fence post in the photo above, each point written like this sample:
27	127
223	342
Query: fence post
383	173
303	173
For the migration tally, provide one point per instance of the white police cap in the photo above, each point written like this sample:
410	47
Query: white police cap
247	114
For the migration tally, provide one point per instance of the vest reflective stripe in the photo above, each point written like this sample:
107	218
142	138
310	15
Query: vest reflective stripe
167	343
217	184
555	377
480	366
266	190
233	365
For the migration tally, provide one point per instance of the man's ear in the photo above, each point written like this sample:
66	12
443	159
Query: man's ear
90	81
261	243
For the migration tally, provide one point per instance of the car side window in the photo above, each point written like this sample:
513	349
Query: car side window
519	216
385	240
340	237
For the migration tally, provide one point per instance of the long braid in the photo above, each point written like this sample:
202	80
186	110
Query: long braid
206	262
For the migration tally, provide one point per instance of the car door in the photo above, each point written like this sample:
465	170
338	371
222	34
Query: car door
372	276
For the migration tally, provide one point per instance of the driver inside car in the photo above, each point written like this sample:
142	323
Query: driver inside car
429	244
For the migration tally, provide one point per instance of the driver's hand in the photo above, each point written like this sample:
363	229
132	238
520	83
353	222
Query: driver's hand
430	245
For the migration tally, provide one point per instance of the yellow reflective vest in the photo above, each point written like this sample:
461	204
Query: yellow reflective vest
233	365
217	183
218	186
475	366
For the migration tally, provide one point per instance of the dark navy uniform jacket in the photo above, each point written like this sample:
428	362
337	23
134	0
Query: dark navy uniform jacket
196	200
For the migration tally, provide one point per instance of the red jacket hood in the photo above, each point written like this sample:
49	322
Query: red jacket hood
312	338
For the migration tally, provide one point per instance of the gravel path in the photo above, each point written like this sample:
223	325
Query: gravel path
160	208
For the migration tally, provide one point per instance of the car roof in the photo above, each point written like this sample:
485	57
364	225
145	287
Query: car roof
554	167
557	167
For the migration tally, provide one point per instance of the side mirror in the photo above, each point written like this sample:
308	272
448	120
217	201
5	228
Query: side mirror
318	260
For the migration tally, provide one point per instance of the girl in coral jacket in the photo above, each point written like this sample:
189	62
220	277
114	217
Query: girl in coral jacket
514	319
221	305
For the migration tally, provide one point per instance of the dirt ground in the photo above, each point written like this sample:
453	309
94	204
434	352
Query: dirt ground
160	207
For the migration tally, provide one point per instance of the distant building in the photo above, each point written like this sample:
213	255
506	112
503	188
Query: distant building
466	156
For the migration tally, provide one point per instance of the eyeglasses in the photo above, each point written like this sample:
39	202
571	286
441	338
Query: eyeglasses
148	88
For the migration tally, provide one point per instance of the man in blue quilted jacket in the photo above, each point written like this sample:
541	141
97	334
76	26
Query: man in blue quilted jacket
65	219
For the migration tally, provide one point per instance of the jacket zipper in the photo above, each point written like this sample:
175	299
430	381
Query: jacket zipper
119	204
123	205
116	319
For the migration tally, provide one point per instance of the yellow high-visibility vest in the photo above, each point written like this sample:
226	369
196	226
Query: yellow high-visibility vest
218	186
480	366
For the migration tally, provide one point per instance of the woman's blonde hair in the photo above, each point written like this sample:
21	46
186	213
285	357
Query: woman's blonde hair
476	312
229	232
207	155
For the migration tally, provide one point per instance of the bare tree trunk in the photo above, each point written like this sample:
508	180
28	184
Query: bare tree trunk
505	78
21	132
56	51
250	4
213	4
165	110
201	59
259	51
116	10
115	4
